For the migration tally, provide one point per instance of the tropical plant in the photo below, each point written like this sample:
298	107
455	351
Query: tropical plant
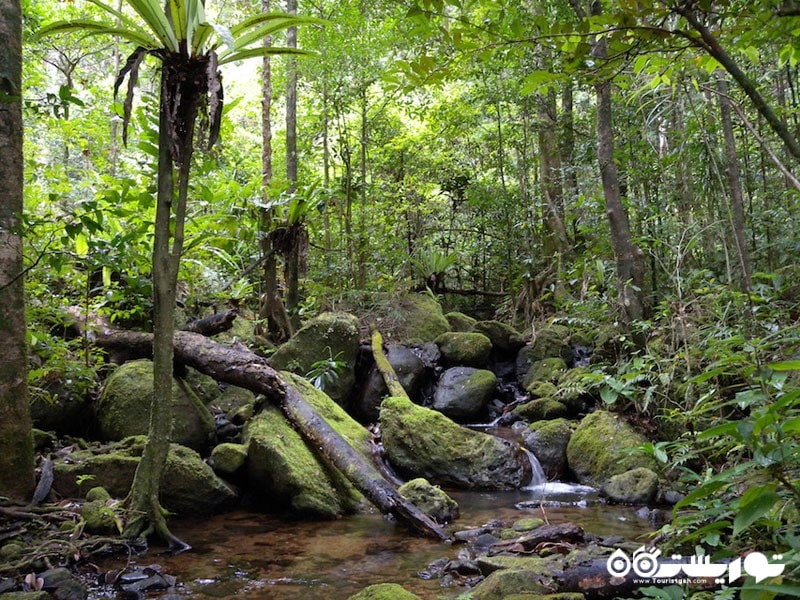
191	49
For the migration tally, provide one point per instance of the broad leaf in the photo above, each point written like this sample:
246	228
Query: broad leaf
754	504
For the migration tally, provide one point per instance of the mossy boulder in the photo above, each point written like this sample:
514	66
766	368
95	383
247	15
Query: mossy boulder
504	583
188	487
463	392
430	499
204	386
384	591
99	517
123	408
467	349
410	371
637	486
551	341
460	322
541	389
546	369
425	443
228	458
541	409
329	335
281	467
506	340
414	318
233	398
603	445
548	441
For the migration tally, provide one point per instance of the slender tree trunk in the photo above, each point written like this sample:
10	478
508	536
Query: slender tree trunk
630	259
326	162
361	258
734	184
272	312
556	240
182	86
16	441
292	265
568	143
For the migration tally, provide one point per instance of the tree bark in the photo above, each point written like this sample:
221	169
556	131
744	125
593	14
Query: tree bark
734	184
630	259
292	259
557	240
16	441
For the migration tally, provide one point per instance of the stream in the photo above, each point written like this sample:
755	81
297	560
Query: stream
256	556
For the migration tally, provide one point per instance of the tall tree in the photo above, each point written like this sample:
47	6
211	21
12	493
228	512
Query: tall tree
191	85
16	440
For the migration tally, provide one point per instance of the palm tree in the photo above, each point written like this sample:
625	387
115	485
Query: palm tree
191	50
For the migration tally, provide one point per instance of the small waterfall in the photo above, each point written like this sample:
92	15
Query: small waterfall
537	473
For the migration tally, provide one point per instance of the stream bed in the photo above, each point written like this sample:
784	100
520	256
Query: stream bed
254	556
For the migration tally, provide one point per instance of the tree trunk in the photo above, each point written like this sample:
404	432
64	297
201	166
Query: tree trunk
734	184
292	259
182	86
556	240
16	441
273	320
630	259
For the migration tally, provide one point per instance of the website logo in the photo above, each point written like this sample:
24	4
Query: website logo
646	565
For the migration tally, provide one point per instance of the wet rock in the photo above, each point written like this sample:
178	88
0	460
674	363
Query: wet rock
27	596
548	441
281	467
541	409
430	499
228	458
506	340
100	517
551	341
463	392
233	398
426	443
70	590
637	486
410	371
329	335
52	578
189	486
602	446
504	583
528	524
123	409
467	349
460	322
384	591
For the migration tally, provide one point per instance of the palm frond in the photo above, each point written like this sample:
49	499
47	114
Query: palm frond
138	36
156	19
254	52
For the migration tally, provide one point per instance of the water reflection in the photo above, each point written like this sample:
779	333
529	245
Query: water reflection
255	556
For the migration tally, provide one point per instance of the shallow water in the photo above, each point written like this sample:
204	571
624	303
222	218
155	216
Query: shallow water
255	556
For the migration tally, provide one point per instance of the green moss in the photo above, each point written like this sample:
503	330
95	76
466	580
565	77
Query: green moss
460	322
123	409
426	443
384	591
506	582
97	494
542	389
550	342
505	339
431	500
601	446
329	335
415	318
470	349
547	369
637	486
541	408
528	524
228	458
99	517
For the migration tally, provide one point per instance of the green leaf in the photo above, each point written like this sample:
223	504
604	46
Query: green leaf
156	19
254	52
106	277
136	36
705	490
781	590
785	365
754	504
725	429
81	245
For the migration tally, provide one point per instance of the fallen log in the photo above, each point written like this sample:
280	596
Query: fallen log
238	366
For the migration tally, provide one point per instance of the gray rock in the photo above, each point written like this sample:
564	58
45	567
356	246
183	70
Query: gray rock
548	441
467	349
637	486
463	392
411	374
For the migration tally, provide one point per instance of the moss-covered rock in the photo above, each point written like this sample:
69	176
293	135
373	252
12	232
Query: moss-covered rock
506	340
541	389
430	499
410	371
426	443
226	459
467	349
637	486
41	595
204	386
548	441
460	322
547	369
384	591
123	409
551	341
414	318
98	493
541	409
188	487
99	517
506	582
329	335
527	524
602	446
281	467
463	392
546	567
233	398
